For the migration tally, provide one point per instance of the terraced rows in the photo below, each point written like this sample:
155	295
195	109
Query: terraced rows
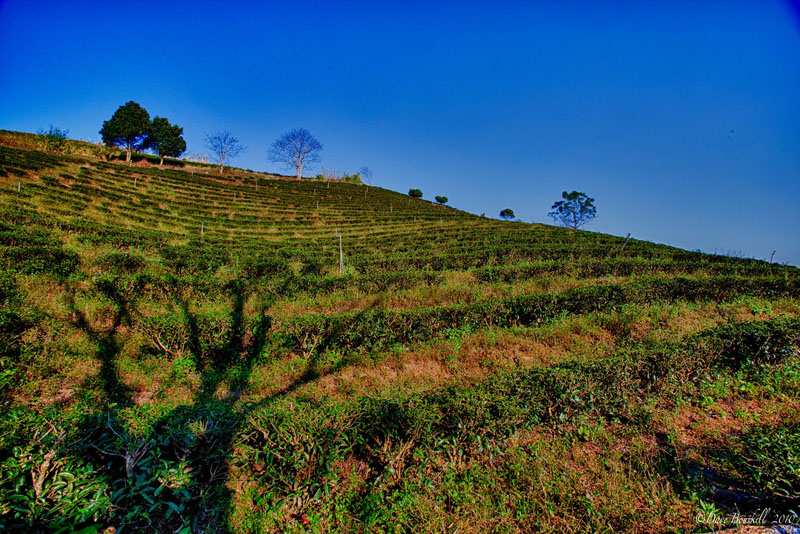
183	345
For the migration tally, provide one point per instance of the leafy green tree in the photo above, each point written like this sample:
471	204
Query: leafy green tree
507	214
166	139
441	200
127	128
575	210
416	193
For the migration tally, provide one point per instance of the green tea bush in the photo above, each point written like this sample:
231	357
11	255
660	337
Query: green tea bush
772	460
12	326
756	343
375	329
260	266
39	259
121	263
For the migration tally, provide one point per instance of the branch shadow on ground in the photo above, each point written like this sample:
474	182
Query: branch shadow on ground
174	475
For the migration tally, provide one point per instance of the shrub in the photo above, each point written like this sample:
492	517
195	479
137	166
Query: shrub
441	200
121	263
416	193
258	266
352	178
54	139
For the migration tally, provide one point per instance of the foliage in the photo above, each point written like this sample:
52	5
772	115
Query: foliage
772	458
166	139
441	200
127	128
415	193
352	178
156	379
507	214
575	210
54	139
295	149
224	146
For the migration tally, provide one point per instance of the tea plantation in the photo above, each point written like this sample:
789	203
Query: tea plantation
180	352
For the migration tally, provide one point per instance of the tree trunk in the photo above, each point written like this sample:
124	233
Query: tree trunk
161	163
300	172
129	155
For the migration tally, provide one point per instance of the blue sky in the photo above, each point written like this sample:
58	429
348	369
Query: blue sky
681	118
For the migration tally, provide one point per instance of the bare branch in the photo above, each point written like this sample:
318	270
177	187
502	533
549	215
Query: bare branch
225	146
295	149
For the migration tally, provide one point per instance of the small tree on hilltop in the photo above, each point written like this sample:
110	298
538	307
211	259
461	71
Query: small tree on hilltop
127	128
295	149
441	200
507	214
575	210
416	193
224	146
54	139
166	139
366	175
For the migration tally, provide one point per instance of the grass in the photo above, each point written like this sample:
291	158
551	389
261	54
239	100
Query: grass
462	375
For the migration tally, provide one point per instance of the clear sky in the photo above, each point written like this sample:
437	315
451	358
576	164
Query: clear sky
681	118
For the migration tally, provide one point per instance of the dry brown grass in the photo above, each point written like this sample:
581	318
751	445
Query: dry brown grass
476	355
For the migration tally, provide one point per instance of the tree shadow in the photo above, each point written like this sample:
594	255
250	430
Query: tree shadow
748	473
116	392
174	475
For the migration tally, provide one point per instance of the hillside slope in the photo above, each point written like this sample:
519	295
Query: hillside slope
180	352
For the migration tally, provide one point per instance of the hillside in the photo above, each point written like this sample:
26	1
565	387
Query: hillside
181	353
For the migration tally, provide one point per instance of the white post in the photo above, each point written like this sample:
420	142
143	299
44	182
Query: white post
390	207
19	186
134	181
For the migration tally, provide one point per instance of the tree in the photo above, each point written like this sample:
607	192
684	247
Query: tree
295	149
166	139
366	174
127	128
225	146
575	210
507	214
416	193
441	200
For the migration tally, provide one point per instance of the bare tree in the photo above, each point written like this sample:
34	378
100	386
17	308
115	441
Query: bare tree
366	175
225	146
295	149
